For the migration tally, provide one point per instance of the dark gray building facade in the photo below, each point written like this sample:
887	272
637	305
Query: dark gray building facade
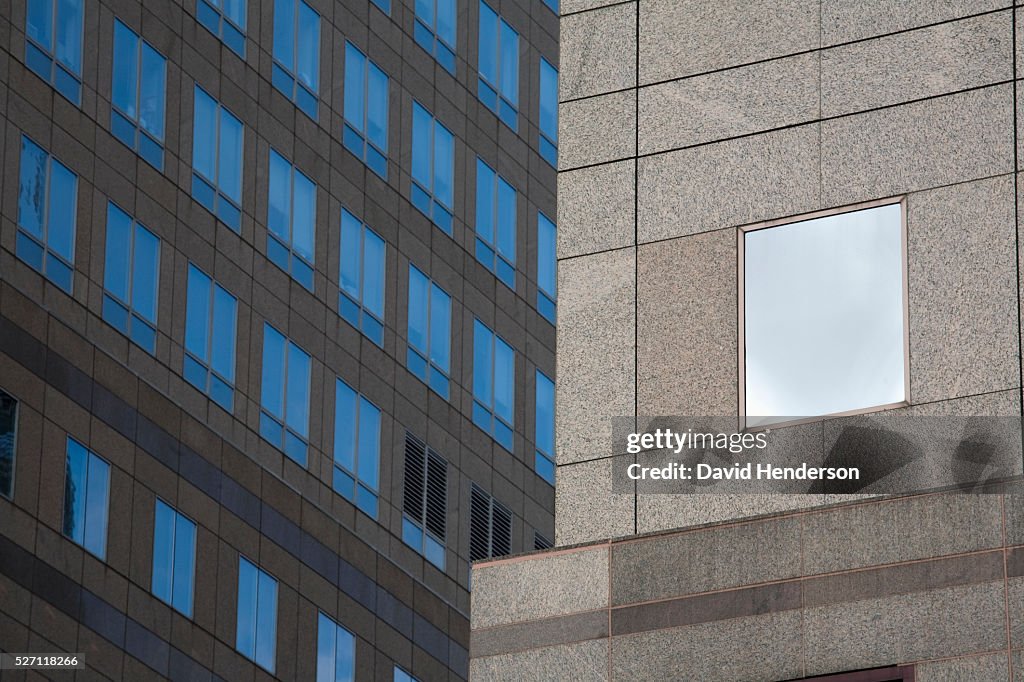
277	340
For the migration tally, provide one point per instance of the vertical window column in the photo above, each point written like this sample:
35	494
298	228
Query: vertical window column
434	30
174	556
361	300
217	149
544	428
131	278
53	44
284	397
47	197
86	497
494	364
430	332
211	315
548	112
366	110
498	85
291	219
547	268
256	631
335	651
356	448
296	70
139	92
495	223
433	168
425	501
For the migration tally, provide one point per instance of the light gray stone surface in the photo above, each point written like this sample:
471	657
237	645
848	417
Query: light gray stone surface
687	358
729	103
571	6
598	51
919	626
597	360
1015	598
923	63
540	587
686	37
585	506
751	649
917	146
732	183
595	208
963	317
580	661
899	530
991	668
704	560
843	20
597	129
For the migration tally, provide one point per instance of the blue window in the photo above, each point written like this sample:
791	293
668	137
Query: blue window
366	110
226	20
494	386
433	167
217	159
547	286
361	301
131	278
139	93
498	86
8	442
291	217
495	223
435	30
548	112
335	652
284	398
53	44
402	676
553	4
256	633
174	557
356	448
211	315
47	197
297	53
86	497
384	5
544	428
430	332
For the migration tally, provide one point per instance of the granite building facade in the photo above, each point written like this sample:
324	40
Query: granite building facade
277	313
683	125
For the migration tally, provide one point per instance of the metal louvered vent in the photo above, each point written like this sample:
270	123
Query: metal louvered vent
501	529
479	524
436	494
540	542
415	451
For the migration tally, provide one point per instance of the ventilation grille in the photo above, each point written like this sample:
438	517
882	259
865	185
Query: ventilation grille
490	527
415	452
437	494
540	542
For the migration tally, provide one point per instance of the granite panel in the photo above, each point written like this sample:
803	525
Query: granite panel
597	129
843	21
539	633
585	506
730	103
917	146
580	661
735	182
990	668
598	51
916	64
685	37
963	328
540	587
595	208
657	512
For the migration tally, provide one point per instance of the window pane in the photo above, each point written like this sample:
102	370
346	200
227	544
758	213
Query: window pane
377	108
369	442
224	322
421	129
145	273
488	43
245	637
482	363
8	431
304	216
345	411
548	100
153	85
355	86
506	220
126	74
440	327
484	201
39	21
32	192
266	623
204	131
60	230
119	244
163	549
351	253
284	33
279	201
446	21
96	494
308	67
74	491
197	312
326	641
230	170
345	664
545	436
272	390
373	279
69	34
418	303
444	161
842	277
509	63
546	268
235	10
504	380
297	410
184	563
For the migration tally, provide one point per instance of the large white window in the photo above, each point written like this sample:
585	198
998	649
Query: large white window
823	317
